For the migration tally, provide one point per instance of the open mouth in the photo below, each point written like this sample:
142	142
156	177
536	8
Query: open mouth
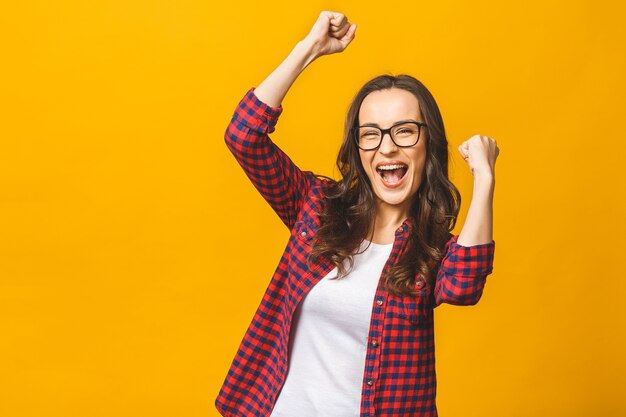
392	174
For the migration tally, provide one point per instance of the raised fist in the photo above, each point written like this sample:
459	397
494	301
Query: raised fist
331	33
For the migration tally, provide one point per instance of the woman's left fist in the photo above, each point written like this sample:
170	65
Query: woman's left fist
480	153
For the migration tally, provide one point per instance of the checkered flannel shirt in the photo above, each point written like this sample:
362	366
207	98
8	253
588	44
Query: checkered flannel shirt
399	371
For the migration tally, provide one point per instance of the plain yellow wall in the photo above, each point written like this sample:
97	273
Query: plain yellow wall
134	251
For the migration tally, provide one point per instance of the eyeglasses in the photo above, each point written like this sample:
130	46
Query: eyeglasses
403	134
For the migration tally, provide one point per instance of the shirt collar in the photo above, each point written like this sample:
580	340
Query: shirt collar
407	225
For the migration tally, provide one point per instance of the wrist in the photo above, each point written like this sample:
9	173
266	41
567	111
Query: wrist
484	176
484	181
308	49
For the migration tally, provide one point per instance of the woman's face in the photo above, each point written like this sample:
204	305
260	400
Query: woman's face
383	108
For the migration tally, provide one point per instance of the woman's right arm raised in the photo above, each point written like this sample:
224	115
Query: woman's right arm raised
281	183
330	34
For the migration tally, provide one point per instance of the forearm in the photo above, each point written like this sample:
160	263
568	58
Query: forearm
273	89
478	227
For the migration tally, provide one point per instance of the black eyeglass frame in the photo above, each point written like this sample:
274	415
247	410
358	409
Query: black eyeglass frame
383	132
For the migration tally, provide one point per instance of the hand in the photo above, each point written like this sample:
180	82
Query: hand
331	33
480	153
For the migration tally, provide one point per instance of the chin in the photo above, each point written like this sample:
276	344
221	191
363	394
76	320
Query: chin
393	200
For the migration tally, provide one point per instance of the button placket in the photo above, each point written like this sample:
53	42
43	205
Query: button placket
373	353
372	361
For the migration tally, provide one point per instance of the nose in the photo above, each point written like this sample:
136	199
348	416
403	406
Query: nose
387	146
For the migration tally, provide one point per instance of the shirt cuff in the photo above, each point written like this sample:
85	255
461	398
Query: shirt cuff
468	261
256	114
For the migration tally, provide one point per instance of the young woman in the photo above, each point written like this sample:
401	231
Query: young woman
345	327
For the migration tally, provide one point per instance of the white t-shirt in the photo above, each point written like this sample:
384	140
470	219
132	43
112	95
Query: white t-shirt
328	341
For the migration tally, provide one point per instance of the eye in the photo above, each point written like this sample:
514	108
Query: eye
405	130
370	133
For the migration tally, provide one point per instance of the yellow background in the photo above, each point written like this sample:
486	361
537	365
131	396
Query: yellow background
134	251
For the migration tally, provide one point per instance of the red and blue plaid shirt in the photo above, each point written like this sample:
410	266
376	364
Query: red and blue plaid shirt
399	373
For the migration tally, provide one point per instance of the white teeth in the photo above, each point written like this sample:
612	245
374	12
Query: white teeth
390	167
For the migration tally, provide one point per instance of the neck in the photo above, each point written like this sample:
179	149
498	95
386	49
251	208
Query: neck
390	216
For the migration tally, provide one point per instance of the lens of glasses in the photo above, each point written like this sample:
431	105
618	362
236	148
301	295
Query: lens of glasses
405	134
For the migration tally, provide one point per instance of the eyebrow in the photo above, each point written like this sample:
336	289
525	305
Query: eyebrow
394	123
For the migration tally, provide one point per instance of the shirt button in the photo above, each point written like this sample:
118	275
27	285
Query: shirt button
370	382
379	302
420	284
303	234
374	343
400	229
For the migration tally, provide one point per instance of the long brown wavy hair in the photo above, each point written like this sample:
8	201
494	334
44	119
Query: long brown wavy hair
350	205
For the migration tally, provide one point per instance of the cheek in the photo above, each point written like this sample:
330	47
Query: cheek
419	162
365	162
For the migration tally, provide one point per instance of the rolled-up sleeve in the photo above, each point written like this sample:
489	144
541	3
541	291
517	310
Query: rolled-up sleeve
257	115
462	273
